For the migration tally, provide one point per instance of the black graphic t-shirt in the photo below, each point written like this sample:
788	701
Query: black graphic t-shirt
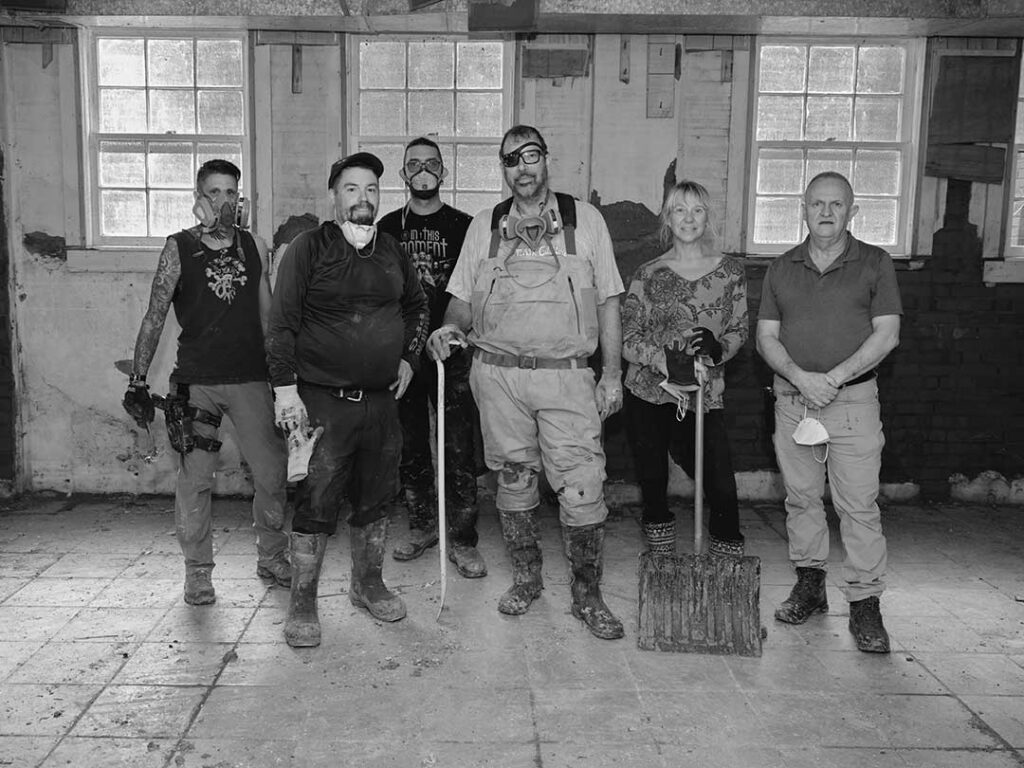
218	307
432	243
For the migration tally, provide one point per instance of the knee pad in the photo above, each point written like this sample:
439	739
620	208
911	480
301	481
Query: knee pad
581	496
517	488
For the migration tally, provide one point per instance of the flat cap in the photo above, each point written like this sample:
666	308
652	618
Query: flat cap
357	160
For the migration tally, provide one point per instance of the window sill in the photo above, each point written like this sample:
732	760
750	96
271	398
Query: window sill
112	260
1003	271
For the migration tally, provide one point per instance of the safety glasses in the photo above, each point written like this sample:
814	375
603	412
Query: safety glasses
529	153
431	165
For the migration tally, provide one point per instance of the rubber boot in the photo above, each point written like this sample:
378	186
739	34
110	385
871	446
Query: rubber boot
867	627
725	547
807	597
199	585
367	589
422	526
521	534
661	537
302	626
584	546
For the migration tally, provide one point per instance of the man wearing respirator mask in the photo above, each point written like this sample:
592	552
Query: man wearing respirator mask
348	323
830	313
215	274
431	233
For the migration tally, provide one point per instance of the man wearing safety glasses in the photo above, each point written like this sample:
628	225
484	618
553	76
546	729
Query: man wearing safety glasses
535	291
431	234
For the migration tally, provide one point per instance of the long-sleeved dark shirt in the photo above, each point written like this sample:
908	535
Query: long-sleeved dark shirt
344	318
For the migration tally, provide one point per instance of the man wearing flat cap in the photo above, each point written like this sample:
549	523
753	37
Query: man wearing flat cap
347	325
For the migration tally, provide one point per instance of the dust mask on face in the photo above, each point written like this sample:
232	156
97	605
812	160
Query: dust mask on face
359	235
811	432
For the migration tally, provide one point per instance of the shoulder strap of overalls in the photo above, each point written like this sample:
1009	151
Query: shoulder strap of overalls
567	212
500	210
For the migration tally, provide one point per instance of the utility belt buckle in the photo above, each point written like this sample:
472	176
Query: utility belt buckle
352	395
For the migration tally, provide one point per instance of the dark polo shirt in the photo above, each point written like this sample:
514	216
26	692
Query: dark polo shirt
826	316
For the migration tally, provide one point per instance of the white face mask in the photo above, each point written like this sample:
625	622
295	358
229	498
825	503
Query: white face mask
359	235
811	432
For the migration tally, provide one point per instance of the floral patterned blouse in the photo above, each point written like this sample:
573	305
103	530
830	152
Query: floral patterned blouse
661	305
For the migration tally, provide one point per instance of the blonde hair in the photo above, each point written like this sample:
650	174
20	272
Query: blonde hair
680	190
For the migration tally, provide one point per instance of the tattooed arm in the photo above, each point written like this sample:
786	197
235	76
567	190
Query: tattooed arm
168	271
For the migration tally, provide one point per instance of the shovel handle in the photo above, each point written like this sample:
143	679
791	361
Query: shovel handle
698	471
442	522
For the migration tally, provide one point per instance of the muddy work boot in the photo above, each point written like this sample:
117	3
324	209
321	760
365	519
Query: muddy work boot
468	561
367	589
584	546
520	531
661	537
199	586
277	569
807	597
422	526
866	626
302	626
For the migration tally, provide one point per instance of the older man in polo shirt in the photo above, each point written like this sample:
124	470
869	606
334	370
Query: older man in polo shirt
830	313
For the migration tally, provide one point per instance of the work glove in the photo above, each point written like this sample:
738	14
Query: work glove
289	410
138	403
679	365
704	343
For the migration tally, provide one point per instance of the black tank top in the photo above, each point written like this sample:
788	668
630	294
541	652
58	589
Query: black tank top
217	304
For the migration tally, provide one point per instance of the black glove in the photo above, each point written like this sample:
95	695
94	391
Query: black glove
139	404
703	342
679	365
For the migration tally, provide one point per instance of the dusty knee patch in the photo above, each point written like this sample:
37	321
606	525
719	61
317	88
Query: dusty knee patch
517	487
581	496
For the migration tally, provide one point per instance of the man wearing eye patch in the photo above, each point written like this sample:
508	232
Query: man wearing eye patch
535	292
431	233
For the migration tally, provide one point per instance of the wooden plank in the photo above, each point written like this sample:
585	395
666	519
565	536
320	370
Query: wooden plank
972	162
734	231
974	99
700	603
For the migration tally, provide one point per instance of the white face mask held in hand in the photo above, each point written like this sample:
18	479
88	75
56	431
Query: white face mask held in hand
811	432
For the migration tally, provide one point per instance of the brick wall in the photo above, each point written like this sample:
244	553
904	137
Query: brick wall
951	399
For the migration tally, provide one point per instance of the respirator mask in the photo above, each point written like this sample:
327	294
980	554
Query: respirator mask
229	215
532	230
358	235
811	432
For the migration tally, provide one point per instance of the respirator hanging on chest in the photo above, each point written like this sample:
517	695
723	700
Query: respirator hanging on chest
358	235
532	230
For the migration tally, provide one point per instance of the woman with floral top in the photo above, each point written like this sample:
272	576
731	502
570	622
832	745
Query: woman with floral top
690	302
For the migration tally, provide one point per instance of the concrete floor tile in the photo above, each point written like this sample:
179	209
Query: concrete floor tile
593	715
80	564
957	758
14	653
26	565
783	669
414	753
108	752
176	664
1003	714
140	711
918	634
139	593
10	585
879	673
580	662
124	624
33	623
793	719
240	566
252	713
720	756
611	755
843	757
66	591
707	719
153	565
74	663
664	671
217	623
975	673
42	710
237	753
24	751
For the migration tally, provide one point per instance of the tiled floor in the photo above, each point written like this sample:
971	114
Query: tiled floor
102	664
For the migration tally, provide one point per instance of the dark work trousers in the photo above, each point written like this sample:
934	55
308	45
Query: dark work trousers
654	434
356	458
417	468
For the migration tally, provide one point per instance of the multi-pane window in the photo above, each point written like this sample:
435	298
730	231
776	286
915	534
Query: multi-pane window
455	92
832	106
161	106
1015	225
